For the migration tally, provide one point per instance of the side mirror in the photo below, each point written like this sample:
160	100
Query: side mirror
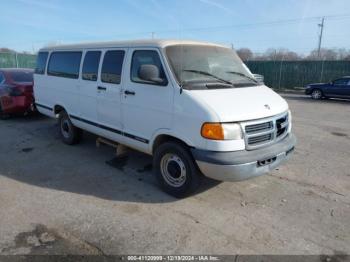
150	73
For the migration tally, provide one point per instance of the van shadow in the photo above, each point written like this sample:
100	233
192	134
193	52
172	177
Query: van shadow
34	154
309	99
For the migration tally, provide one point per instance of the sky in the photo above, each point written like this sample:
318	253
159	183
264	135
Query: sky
28	25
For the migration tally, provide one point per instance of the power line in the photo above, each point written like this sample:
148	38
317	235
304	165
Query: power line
269	23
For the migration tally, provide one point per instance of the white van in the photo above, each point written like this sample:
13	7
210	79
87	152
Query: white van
192	105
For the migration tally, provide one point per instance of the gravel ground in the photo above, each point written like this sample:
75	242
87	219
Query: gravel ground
57	199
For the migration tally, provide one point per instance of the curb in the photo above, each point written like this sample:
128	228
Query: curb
289	91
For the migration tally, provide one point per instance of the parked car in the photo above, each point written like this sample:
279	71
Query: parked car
16	92
163	98
259	78
339	88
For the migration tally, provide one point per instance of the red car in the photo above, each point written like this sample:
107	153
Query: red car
16	92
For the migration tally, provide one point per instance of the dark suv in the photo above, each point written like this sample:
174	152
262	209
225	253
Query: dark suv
339	88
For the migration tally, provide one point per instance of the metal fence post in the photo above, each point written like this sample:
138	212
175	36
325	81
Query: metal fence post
16	59
322	70
279	82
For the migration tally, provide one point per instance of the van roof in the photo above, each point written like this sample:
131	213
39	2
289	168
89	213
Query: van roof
162	43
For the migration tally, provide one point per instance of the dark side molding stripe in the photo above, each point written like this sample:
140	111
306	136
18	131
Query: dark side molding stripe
143	140
45	107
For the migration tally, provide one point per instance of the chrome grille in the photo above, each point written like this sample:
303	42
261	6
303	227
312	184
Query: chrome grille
258	127
266	131
259	139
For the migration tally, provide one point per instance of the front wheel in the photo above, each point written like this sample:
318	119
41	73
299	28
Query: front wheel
70	134
175	170
316	94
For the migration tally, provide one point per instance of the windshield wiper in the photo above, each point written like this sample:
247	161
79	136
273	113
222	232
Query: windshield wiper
209	74
241	74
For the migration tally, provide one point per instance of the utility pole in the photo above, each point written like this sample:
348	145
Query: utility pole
153	35
320	38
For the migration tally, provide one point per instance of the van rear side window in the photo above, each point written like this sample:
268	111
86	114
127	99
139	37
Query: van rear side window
112	67
64	64
90	66
41	63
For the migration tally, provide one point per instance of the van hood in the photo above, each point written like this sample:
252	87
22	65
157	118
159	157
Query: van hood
242	104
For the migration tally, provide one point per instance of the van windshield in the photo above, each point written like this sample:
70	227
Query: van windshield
208	67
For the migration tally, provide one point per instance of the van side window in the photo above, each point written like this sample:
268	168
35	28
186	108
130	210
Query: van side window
41	63
90	66
146	57
112	67
64	64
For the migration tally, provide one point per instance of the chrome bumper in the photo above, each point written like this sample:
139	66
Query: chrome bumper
242	165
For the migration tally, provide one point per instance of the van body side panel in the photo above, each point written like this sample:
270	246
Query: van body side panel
149	109
42	95
88	92
109	88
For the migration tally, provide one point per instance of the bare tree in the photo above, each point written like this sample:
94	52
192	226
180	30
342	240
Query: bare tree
325	54
281	54
245	54
6	50
343	53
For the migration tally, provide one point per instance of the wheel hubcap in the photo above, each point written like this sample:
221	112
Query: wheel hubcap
65	128
173	170
316	94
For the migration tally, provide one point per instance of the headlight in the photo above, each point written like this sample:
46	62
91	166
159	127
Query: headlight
219	131
290	121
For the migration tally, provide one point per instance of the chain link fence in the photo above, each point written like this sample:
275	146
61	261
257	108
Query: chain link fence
16	60
294	74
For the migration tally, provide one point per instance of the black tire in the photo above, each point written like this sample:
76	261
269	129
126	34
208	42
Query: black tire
2	115
316	94
171	158
70	134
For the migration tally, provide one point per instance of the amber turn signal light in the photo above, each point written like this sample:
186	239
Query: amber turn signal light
213	131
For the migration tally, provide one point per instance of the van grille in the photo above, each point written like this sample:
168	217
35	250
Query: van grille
263	132
259	139
258	127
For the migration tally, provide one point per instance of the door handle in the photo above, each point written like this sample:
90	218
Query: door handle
128	92
101	88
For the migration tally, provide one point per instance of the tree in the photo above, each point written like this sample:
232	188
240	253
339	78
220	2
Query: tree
245	54
6	50
281	54
343	53
325	54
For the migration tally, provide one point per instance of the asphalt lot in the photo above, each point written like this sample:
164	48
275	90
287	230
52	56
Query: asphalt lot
58	199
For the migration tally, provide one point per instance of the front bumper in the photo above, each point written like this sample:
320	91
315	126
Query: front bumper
242	165
308	91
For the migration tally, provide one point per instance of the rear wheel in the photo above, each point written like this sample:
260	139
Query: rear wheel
316	94
70	134
175	170
3	116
